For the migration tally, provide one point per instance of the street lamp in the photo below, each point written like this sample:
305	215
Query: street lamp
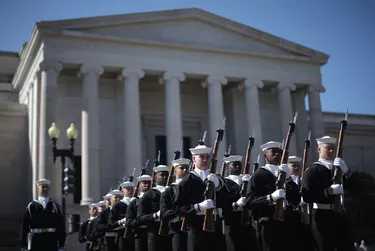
67	173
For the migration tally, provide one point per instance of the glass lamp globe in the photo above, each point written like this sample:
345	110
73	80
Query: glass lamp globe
72	132
53	131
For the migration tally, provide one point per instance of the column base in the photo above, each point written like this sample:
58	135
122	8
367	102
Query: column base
86	201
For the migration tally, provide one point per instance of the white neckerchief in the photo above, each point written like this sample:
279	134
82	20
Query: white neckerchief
201	173
141	194
92	217
44	201
126	200
272	168
176	181
160	188
326	163
295	178
235	178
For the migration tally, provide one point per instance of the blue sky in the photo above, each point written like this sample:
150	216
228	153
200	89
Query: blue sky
344	29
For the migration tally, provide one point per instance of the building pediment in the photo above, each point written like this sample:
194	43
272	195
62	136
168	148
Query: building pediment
187	27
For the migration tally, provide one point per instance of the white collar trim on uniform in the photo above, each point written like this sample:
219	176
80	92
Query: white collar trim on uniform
326	163
235	178
272	168
126	200
201	173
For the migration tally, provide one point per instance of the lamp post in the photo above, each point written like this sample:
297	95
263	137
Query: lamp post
67	173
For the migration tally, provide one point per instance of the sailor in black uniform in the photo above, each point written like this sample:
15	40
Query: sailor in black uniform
330	228
117	215
238	237
148	212
271	232
43	226
168	211
87	227
133	227
114	217
191	203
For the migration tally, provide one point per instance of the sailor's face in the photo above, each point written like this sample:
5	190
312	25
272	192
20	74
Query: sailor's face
100	209
181	171
107	203
114	199
161	178
144	186
294	168
326	151
272	156
43	190
128	191
234	168
201	161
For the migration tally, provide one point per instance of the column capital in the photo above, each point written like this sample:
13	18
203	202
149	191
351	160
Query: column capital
213	79
47	65
248	83
315	88
282	86
91	68
167	76
126	72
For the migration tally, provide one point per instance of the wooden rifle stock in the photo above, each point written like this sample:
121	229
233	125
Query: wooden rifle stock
304	213
245	217
164	225
281	178
338	206
209	222
226	155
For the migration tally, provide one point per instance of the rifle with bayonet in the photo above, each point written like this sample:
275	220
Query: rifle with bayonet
281	178
156	163
201	142
338	203
209	221
226	155
245	217
305	219
164	225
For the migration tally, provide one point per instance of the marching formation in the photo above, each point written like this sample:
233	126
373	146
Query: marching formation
188	206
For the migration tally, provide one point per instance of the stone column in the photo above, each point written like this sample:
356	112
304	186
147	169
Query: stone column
253	117
215	110
90	134
49	71
35	136
302	127
132	120
315	114
173	116
286	112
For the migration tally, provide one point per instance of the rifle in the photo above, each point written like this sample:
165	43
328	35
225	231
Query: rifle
338	205
226	155
135	192
208	223
304	214
256	165
201	142
245	212
156	163
280	183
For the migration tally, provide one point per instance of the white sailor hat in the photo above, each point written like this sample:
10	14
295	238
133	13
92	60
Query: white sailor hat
100	204
107	196
127	184
200	150
161	168
293	159
116	192
181	161
232	158
93	205
270	144
326	140
144	177
43	182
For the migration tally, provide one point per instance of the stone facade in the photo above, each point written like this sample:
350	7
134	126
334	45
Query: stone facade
136	83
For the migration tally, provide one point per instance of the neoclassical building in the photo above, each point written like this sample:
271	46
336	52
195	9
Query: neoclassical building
134	84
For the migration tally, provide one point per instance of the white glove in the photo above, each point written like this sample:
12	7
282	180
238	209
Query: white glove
246	177
285	168
157	215
214	179
341	163
206	204
278	194
241	201
337	189
122	221
302	203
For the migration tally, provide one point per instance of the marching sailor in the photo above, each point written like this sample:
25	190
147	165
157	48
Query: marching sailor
169	212
84	227
132	224
101	223
148	212
238	237
43	226
330	229
191	201
271	233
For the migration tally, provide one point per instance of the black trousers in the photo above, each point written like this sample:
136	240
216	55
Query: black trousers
140	241
272	235
179	241
331	231
199	240
156	242
111	245
125	244
303	238
44	241
240	238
